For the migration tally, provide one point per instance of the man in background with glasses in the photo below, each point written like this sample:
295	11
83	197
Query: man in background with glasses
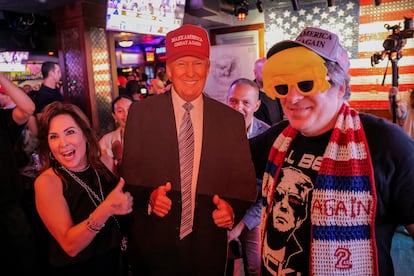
361	168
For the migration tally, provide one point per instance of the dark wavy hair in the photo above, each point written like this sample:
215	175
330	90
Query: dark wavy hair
93	150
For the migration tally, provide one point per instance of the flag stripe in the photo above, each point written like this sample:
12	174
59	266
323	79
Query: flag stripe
379	71
372	2
387	16
373	88
373	104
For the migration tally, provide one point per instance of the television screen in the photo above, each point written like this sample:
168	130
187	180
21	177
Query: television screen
149	56
13	61
160	50
125	59
156	17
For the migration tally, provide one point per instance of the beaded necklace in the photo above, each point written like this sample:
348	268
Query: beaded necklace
96	200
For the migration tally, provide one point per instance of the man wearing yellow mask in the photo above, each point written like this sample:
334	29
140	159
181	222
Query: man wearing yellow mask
336	183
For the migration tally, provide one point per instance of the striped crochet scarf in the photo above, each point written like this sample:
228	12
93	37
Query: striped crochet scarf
343	201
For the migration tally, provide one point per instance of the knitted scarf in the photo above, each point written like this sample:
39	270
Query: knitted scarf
343	201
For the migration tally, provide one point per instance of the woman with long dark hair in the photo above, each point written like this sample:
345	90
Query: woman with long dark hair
77	197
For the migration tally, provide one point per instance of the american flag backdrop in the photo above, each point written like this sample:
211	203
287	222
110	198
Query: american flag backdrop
360	27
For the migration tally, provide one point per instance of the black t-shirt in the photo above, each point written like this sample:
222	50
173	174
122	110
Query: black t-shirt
45	96
392	153
10	184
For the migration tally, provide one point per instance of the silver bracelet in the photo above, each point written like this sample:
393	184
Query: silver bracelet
93	226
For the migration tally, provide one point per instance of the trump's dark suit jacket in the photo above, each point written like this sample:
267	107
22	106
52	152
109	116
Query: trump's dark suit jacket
151	158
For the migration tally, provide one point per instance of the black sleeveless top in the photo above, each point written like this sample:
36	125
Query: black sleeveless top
102	254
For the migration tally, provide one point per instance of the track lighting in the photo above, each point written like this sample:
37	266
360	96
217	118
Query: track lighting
241	10
259	5
295	5
241	13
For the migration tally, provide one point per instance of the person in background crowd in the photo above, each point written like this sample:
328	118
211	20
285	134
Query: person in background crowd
134	90
132	76
270	110
49	91
162	75
18	250
243	96
404	110
160	84
77	197
112	142
333	190
28	142
156	87
122	81
28	89
143	79
174	232
21	158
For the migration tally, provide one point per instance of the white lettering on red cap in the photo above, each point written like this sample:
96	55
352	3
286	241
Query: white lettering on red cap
186	37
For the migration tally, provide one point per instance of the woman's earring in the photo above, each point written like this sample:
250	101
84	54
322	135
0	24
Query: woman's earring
51	156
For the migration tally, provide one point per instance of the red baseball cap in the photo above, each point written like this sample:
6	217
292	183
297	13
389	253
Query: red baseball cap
187	40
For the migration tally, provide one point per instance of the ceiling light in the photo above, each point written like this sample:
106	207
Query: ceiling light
241	10
125	42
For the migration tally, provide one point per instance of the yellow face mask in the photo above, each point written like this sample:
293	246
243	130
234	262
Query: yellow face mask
296	67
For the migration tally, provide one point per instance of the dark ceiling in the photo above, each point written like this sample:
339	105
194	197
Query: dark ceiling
41	7
16	17
44	6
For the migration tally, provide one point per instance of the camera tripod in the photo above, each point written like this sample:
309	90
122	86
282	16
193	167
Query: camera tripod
393	45
394	62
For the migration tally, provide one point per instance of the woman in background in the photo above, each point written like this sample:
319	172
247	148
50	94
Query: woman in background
77	197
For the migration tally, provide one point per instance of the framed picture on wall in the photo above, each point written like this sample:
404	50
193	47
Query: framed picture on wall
233	54
249	34
227	63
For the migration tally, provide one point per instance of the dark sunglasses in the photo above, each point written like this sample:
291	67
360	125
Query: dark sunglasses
307	82
303	87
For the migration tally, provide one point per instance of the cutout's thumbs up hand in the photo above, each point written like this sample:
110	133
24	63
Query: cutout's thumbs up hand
159	201
223	216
